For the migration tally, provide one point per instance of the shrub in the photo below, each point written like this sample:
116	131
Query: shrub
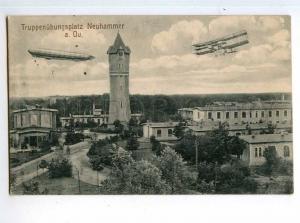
60	168
73	138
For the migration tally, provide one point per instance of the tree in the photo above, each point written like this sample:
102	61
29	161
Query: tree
60	168
73	138
236	146
156	146
174	171
179	130
118	126
132	143
131	177
272	160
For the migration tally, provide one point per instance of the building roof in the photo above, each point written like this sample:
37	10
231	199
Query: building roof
161	124
118	44
267	138
244	106
35	109
254	126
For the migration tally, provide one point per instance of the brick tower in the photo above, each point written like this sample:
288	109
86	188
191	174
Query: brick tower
119	104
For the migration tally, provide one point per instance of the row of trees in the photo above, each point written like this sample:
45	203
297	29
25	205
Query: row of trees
168	173
217	146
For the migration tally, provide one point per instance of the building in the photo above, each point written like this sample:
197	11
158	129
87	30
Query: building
279	111
240	129
31	126
119	104
98	117
186	113
256	144
163	131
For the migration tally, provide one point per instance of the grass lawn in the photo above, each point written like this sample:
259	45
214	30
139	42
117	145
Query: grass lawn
60	186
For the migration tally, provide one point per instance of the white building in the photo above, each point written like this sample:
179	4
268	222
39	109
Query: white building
256	144
279	111
163	131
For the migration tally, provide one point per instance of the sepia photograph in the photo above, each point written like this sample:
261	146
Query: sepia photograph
150	104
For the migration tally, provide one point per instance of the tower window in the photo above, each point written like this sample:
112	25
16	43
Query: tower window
285	113
218	115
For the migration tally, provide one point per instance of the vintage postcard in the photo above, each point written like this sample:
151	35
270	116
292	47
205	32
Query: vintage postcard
150	105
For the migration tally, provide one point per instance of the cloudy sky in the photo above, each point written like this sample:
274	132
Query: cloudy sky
161	60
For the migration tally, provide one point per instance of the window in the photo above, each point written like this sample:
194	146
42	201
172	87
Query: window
227	115
218	115
158	132
262	114
198	115
243	114
250	114
286	151
236	114
120	53
209	115
256	114
270	114
260	152
255	152
170	132
277	113
121	104
285	113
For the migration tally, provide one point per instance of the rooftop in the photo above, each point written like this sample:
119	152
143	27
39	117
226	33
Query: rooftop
118	44
257	105
267	138
35	108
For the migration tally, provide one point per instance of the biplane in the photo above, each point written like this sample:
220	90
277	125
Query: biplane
224	45
59	55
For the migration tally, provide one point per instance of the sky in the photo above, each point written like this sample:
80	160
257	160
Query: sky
161	60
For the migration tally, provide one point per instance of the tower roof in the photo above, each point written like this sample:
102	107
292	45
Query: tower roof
118	44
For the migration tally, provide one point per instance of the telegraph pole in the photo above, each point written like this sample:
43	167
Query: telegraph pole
196	151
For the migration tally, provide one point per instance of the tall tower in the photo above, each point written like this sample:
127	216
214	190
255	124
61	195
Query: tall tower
119	104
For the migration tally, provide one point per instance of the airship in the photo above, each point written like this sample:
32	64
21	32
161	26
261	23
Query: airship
59	55
226	44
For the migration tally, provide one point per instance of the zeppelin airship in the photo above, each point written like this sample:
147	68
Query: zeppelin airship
225	45
59	55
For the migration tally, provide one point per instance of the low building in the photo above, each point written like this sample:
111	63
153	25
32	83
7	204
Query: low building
163	131
31	126
279	111
256	144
